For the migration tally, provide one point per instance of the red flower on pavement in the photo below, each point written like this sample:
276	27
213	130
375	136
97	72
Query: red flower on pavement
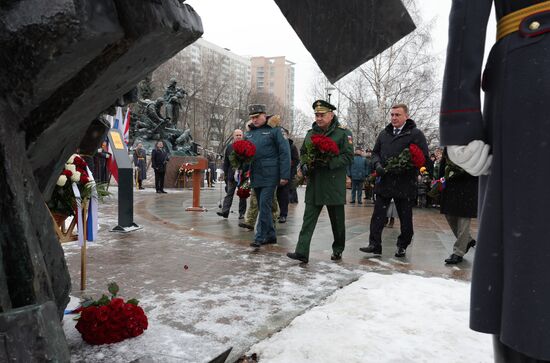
417	156
112	320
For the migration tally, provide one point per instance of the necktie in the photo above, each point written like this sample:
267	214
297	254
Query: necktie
395	132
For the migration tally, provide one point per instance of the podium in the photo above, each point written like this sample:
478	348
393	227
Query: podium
198	166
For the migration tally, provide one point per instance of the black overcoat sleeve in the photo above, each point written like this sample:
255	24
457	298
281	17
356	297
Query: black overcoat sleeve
460	119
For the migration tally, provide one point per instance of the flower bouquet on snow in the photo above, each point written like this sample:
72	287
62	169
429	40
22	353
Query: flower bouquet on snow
110	319
409	159
318	153
74	182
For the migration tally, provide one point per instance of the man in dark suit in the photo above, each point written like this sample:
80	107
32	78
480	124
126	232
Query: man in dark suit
401	186
159	159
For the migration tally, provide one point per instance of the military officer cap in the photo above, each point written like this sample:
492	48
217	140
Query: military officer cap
255	110
321	106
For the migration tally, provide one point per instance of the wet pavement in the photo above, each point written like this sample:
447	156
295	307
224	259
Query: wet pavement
205	289
432	243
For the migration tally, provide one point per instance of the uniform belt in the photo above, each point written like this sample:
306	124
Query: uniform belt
510	23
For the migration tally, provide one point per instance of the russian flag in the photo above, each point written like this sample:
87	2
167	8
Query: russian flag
126	126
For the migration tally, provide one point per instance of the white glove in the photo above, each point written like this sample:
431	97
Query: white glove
474	157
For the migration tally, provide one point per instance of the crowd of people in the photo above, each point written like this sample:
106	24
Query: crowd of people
394	192
391	185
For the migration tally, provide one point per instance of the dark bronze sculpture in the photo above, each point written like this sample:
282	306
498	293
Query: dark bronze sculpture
62	63
172	97
152	126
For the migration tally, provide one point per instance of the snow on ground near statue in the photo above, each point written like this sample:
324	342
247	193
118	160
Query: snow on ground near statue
235	310
384	318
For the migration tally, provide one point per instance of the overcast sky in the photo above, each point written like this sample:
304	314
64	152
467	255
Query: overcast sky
258	28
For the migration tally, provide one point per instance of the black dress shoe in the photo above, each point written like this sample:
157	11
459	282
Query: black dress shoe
163	192
244	225
255	244
377	250
297	256
221	214
453	259
471	244
141	188
336	256
270	241
282	219
400	252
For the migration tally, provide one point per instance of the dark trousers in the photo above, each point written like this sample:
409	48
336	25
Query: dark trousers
505	354
356	190
293	195
159	180
265	230
337	218
283	193
404	211
230	188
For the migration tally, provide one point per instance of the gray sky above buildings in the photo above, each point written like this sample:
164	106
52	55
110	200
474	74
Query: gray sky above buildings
258	28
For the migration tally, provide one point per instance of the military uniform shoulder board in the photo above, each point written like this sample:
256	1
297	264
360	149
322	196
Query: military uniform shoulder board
343	127
350	139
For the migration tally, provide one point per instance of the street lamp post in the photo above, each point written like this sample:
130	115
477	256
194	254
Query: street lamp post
329	90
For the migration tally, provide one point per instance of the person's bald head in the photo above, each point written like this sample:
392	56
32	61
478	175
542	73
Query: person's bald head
237	135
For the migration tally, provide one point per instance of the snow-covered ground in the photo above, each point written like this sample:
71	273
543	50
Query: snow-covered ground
383	318
379	318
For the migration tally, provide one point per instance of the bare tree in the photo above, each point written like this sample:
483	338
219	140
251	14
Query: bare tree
404	73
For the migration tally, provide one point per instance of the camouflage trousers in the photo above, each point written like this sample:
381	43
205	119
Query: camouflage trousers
252	211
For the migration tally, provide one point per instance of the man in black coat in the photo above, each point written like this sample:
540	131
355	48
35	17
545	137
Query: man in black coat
459	205
510	294
284	191
159	159
396	137
230	182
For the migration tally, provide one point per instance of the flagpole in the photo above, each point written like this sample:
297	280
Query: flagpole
83	256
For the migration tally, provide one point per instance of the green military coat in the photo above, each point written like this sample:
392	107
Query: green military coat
326	185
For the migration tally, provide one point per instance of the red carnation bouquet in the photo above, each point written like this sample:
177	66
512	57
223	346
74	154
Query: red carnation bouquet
243	191
409	159
243	152
110	320
320	150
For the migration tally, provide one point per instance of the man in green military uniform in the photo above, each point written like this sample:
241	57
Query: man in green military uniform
326	183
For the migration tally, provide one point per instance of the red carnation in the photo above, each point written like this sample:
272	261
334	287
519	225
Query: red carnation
417	156
84	179
79	162
325	144
244	148
67	173
243	193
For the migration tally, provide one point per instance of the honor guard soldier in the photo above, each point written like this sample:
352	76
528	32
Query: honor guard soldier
508	147
326	183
